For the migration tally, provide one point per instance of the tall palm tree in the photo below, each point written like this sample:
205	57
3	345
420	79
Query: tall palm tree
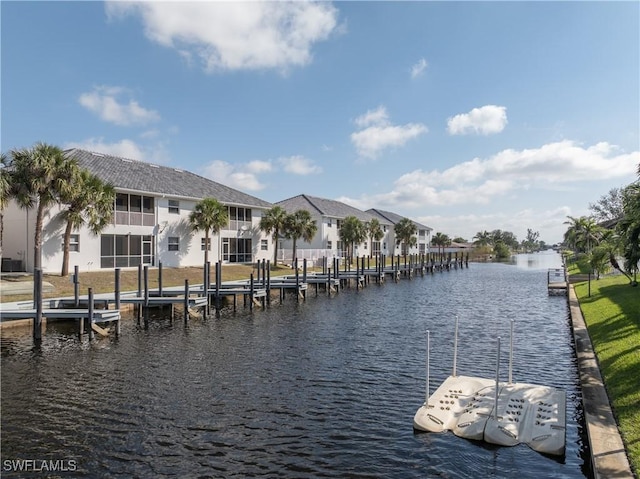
482	238
374	229
629	228
572	233
209	215
273	222
39	175
300	225
5	193
89	202
441	240
352	232
590	234
405	231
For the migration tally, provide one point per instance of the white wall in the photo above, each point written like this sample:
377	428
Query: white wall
19	228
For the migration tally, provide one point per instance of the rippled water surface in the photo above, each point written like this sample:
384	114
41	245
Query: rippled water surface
323	388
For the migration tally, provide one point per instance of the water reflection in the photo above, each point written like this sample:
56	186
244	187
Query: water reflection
324	388
541	260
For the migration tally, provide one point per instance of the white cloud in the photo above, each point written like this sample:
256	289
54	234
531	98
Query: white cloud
235	35
479	181
550	223
299	165
106	102
379	134
259	166
419	68
242	177
125	149
245	176
377	117
486	120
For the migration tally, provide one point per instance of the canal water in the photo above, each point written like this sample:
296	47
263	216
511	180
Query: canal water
323	388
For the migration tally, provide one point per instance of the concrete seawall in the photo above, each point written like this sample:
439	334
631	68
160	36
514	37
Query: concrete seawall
608	455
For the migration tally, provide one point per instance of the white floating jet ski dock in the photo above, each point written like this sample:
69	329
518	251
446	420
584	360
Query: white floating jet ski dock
499	413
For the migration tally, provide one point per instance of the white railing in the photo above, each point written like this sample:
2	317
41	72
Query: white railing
314	256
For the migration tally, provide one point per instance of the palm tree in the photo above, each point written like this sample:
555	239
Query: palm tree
374	228
482	238
629	228
352	232
273	222
39	175
89	202
571	235
209	215
5	193
300	225
440	240
405	231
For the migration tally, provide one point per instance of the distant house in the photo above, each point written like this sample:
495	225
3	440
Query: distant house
328	215
423	235
150	221
454	247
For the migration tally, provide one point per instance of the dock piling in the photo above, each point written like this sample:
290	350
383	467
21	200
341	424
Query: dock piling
90	316
117	298
37	298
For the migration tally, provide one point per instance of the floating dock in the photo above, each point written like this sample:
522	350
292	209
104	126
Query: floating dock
557	281
526	413
496	412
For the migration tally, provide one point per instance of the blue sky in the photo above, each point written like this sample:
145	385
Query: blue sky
464	116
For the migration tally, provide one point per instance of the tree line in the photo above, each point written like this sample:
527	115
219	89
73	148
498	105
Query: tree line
499	243
611	231
352	231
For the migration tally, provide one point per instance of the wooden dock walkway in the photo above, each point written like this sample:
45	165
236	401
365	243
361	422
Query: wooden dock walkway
557	283
198	300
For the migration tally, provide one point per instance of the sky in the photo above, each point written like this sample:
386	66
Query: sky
463	116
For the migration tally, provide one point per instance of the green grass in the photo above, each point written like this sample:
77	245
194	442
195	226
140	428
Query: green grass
612	315
578	264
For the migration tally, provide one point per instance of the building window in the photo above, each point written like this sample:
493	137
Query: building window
125	251
135	210
239	217
147	204
205	244
174	243
236	250
339	223
329	245
135	203
174	207
329	223
74	243
264	245
122	202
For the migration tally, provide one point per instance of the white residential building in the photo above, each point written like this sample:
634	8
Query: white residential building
151	222
328	215
423	234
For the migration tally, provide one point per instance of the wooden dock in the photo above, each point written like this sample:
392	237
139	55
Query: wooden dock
557	283
198	300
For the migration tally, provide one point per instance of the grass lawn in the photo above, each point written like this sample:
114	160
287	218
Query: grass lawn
612	315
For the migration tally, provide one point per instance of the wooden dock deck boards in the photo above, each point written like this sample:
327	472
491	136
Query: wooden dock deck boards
99	315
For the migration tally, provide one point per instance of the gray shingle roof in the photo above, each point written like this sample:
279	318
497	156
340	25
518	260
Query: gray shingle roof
146	177
323	206
394	218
